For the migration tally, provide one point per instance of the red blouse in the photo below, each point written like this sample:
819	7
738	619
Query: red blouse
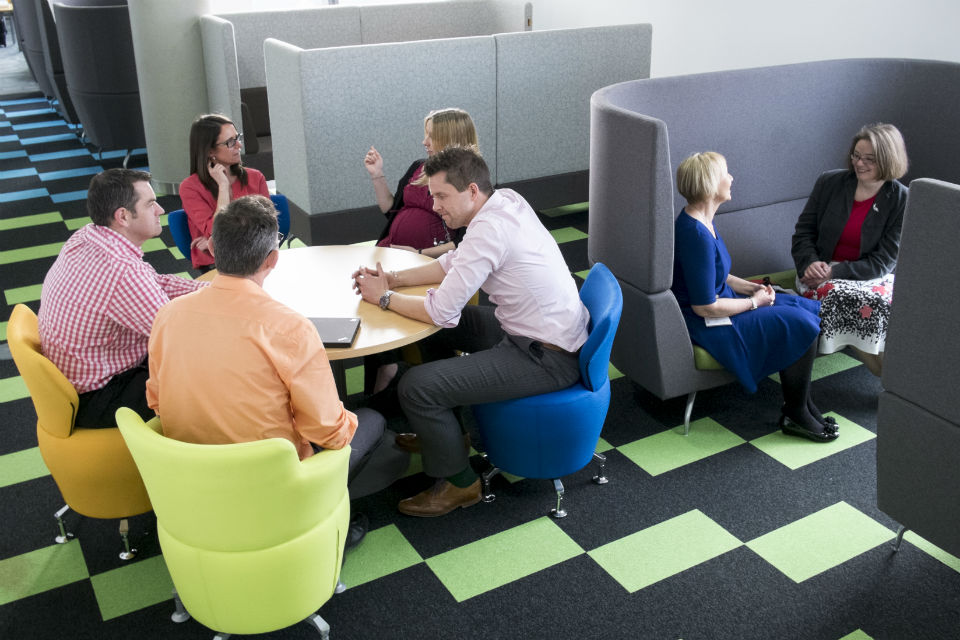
848	246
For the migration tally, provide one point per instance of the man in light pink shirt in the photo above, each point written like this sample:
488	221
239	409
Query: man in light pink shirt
526	344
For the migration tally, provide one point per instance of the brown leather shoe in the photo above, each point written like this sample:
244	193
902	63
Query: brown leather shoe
410	442
440	499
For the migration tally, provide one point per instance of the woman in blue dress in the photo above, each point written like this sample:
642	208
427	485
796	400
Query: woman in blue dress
745	326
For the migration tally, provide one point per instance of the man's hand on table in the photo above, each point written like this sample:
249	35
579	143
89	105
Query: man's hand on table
371	283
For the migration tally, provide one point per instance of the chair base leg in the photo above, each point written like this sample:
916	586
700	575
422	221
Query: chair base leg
340	588
180	615
221	636
65	535
485	478
687	411
601	477
320	625
559	511
896	544
127	553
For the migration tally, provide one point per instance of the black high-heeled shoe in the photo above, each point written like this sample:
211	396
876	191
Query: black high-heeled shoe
792	428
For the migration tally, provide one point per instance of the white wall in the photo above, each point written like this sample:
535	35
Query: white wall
691	36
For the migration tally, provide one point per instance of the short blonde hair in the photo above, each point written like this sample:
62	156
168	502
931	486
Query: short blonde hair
888	147
451	127
699	176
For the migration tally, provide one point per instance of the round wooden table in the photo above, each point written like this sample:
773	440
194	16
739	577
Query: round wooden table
316	282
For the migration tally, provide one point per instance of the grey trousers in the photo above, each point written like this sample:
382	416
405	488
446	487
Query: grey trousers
366	439
498	367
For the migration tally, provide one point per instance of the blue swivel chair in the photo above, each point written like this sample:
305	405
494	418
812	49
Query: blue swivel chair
177	220
181	232
555	434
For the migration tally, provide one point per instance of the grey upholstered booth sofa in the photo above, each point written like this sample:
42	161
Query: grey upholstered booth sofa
233	46
528	93
779	128
918	422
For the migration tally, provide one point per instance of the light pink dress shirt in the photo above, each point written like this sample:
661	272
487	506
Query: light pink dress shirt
509	254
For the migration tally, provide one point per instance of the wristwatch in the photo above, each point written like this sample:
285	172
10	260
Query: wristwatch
385	300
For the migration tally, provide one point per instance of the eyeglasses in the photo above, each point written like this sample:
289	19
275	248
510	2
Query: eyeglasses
280	238
230	143
855	157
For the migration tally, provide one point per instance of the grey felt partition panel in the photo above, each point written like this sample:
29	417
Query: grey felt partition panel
534	86
429	20
544	83
779	128
331	26
337	118
918	422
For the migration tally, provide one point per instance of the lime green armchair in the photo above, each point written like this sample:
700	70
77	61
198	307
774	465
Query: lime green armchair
253	537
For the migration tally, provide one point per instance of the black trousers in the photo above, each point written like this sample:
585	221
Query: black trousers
126	389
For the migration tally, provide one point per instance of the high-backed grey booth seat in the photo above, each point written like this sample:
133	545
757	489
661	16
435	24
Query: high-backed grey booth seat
779	128
233	44
52	58
918	422
28	34
528	94
98	62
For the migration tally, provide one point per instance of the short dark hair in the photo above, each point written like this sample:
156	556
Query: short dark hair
244	234
110	190
463	166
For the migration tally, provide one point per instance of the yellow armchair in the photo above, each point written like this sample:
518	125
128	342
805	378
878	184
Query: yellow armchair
92	467
253	537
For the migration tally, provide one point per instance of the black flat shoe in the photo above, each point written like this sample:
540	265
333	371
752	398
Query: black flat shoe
791	428
830	425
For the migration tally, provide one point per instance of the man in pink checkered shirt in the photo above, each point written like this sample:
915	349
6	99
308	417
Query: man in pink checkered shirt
99	299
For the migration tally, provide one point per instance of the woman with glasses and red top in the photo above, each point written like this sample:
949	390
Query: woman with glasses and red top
217	177
846	242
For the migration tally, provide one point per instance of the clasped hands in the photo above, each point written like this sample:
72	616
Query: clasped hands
764	295
371	283
816	274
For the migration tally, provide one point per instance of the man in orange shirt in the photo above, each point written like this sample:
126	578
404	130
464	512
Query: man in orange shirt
235	365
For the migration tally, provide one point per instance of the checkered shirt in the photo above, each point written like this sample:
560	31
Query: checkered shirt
97	306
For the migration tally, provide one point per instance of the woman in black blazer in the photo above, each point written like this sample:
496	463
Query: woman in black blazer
846	242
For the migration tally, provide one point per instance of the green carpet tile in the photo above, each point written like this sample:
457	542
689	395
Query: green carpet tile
734	531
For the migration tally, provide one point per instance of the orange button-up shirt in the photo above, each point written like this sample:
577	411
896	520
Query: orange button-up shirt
231	364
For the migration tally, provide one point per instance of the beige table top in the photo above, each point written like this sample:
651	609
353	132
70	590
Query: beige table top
316	282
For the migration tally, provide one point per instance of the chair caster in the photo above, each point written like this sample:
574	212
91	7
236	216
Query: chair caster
601	477
127	553
485	478
180	614
65	535
558	512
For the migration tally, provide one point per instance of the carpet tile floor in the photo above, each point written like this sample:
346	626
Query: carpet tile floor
735	531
